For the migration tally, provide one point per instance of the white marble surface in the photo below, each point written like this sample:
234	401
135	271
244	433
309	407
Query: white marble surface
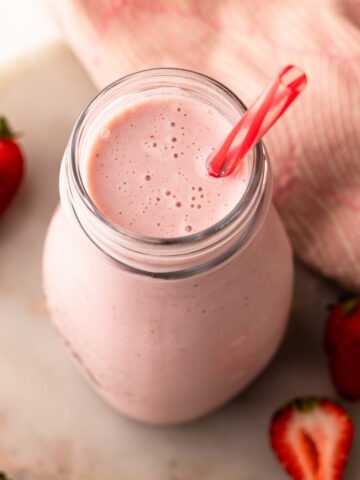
52	426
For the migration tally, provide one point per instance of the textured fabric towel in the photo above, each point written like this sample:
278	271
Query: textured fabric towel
315	147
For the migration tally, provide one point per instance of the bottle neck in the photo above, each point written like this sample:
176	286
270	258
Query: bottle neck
159	257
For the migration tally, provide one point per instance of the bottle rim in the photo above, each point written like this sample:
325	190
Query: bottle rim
102	231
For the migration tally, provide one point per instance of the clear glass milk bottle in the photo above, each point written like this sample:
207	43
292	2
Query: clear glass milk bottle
166	327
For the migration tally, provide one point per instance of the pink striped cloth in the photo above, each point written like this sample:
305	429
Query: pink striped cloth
315	148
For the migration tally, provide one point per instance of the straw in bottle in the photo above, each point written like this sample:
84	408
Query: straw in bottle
257	120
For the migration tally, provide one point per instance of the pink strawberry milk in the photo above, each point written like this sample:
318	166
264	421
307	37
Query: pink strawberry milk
170	288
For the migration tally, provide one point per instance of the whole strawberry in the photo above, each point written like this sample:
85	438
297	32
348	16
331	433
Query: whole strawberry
312	438
11	165
342	343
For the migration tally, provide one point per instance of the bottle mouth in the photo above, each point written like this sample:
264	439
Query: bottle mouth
111	237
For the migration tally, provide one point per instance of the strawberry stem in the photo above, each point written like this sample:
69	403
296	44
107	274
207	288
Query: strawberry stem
5	134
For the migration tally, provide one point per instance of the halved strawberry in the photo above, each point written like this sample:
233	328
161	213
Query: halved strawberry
312	438
342	343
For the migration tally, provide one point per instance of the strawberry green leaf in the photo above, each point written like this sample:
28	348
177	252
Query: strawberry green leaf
350	305
5	134
305	404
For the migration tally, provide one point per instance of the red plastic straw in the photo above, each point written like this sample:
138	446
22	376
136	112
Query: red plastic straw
257	120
